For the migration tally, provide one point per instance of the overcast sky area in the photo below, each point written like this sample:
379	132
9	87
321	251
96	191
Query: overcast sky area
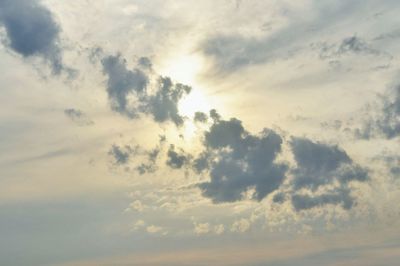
197	133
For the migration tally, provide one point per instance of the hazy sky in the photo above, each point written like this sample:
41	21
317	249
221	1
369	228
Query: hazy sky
191	133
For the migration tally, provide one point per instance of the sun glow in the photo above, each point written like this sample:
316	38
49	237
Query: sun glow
184	69
194	102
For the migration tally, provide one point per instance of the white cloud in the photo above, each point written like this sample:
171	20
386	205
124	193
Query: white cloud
241	226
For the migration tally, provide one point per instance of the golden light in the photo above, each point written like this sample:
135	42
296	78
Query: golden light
184	69
194	102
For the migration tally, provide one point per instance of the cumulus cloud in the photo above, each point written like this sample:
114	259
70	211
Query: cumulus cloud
202	228
320	165
32	31
137	205
163	105
238	162
123	83
121	155
176	160
200	117
240	226
129	93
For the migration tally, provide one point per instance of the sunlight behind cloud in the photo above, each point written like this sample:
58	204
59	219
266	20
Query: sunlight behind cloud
184	68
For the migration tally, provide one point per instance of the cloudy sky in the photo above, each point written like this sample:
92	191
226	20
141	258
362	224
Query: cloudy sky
183	133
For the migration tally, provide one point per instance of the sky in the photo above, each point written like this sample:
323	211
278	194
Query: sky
191	133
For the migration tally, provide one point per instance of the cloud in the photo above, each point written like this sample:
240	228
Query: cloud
238	162
137	205
200	117
233	51
348	45
78	117
123	83
150	165
121	155
153	229
202	228
163	106
305	202
387	122
176	160
32	31
130	95
319	163
240	226
318	166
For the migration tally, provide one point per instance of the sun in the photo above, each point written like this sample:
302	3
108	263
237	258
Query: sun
192	103
185	69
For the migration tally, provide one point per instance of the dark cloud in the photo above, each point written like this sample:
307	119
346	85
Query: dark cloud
137	158
200	117
305	202
319	164
78	117
145	62
163	106
129	94
123	83
237	162
121	155
150	165
201	162
279	197
176	160
32	31
322	166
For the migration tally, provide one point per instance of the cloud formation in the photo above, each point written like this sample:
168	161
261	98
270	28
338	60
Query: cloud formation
386	123
320	166
32	31
238	162
130	95
78	117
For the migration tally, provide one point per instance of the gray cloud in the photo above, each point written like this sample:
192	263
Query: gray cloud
231	52
176	160
121	155
32	31
237	162
78	117
163	106
349	45
150	165
142	160
200	117
123	83
319	164
387	121
305	202
129	95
